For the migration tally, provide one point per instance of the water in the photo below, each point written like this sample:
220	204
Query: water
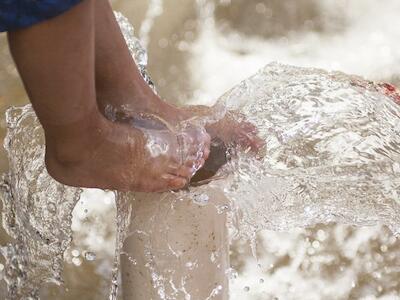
37	210
333	150
360	39
332	155
280	238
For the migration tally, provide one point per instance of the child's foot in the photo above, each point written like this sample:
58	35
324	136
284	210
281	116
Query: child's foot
120	86
229	129
107	155
234	130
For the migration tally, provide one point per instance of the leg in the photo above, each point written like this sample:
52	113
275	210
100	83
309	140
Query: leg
57	71
118	80
56	62
175	247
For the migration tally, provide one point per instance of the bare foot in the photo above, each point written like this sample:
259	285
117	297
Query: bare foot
110	155
120	87
233	129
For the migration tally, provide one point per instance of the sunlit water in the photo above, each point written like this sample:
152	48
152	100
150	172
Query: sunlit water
333	153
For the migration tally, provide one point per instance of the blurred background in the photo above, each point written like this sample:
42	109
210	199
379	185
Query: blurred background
197	50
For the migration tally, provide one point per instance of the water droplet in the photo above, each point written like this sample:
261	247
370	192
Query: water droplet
261	280
77	261
231	273
246	288
213	256
90	256
201	199
52	207
75	252
222	208
316	244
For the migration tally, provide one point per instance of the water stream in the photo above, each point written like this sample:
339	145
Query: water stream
332	154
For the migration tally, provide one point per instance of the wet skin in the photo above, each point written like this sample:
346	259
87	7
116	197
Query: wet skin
120	85
72	67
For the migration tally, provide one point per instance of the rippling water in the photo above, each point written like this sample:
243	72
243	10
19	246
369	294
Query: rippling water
333	147
330	262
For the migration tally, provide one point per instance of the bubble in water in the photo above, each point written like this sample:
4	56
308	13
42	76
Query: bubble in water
77	261
315	244
214	256
222	208
190	265
201	199
231	273
75	253
246	288
90	256
52	207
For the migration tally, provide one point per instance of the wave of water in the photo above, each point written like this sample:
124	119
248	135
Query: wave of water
333	150
333	154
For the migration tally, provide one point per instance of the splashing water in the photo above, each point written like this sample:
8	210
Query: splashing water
333	154
36	210
333	150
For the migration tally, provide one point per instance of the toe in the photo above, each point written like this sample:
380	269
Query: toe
246	140
206	153
185	172
195	163
173	182
249	127
178	183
